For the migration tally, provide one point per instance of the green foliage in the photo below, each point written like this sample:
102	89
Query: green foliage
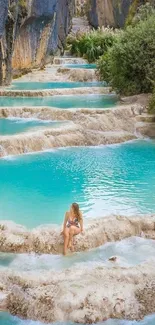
132	12
91	45
143	13
129	66
104	67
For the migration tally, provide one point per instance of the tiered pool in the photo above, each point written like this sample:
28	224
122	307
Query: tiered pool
80	66
10	126
38	188
6	319
54	85
81	101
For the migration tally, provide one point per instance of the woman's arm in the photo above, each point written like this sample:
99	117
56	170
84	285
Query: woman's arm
65	221
81	222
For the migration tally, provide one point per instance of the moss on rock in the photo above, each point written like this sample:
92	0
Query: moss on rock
22	3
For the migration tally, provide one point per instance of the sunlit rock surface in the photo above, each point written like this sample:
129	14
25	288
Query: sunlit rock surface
81	294
43	32
30	32
111	12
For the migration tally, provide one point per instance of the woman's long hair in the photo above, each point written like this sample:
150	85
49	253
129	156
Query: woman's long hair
77	212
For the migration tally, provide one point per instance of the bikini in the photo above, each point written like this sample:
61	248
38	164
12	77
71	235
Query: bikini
75	223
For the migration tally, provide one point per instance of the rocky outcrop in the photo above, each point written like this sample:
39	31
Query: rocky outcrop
8	24
80	25
81	294
15	238
4	8
30	32
79	75
111	12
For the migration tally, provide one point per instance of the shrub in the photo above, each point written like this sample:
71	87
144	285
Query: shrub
91	45
142	13
132	12
103	66
129	65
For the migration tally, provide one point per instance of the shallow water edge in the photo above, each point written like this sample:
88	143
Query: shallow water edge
13	320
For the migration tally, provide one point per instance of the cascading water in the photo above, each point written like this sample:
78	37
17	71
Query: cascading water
12	126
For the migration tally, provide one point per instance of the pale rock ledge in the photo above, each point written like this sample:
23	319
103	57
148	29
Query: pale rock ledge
81	294
47	239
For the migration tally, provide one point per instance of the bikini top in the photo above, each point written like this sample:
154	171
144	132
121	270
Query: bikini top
74	222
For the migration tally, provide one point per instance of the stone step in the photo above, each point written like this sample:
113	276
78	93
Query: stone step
146	118
146	129
79	20
67	54
68	60
79	24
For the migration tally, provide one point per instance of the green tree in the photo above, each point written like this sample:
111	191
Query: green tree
129	66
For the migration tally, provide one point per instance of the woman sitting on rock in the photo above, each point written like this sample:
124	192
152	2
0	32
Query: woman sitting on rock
73	225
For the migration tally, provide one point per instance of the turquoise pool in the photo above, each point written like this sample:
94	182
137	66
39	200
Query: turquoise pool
81	66
38	188
53	85
130	252
6	319
82	101
12	126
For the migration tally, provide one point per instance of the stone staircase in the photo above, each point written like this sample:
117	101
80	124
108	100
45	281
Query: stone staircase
80	24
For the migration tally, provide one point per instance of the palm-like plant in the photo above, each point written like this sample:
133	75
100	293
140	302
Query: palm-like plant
92	45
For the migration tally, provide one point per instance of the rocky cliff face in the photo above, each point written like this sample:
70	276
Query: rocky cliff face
31	31
8	21
111	13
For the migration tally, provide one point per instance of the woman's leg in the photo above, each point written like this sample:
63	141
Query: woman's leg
66	239
72	232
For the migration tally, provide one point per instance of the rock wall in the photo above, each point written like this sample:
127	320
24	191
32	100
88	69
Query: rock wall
30	32
80	7
111	13
8	23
